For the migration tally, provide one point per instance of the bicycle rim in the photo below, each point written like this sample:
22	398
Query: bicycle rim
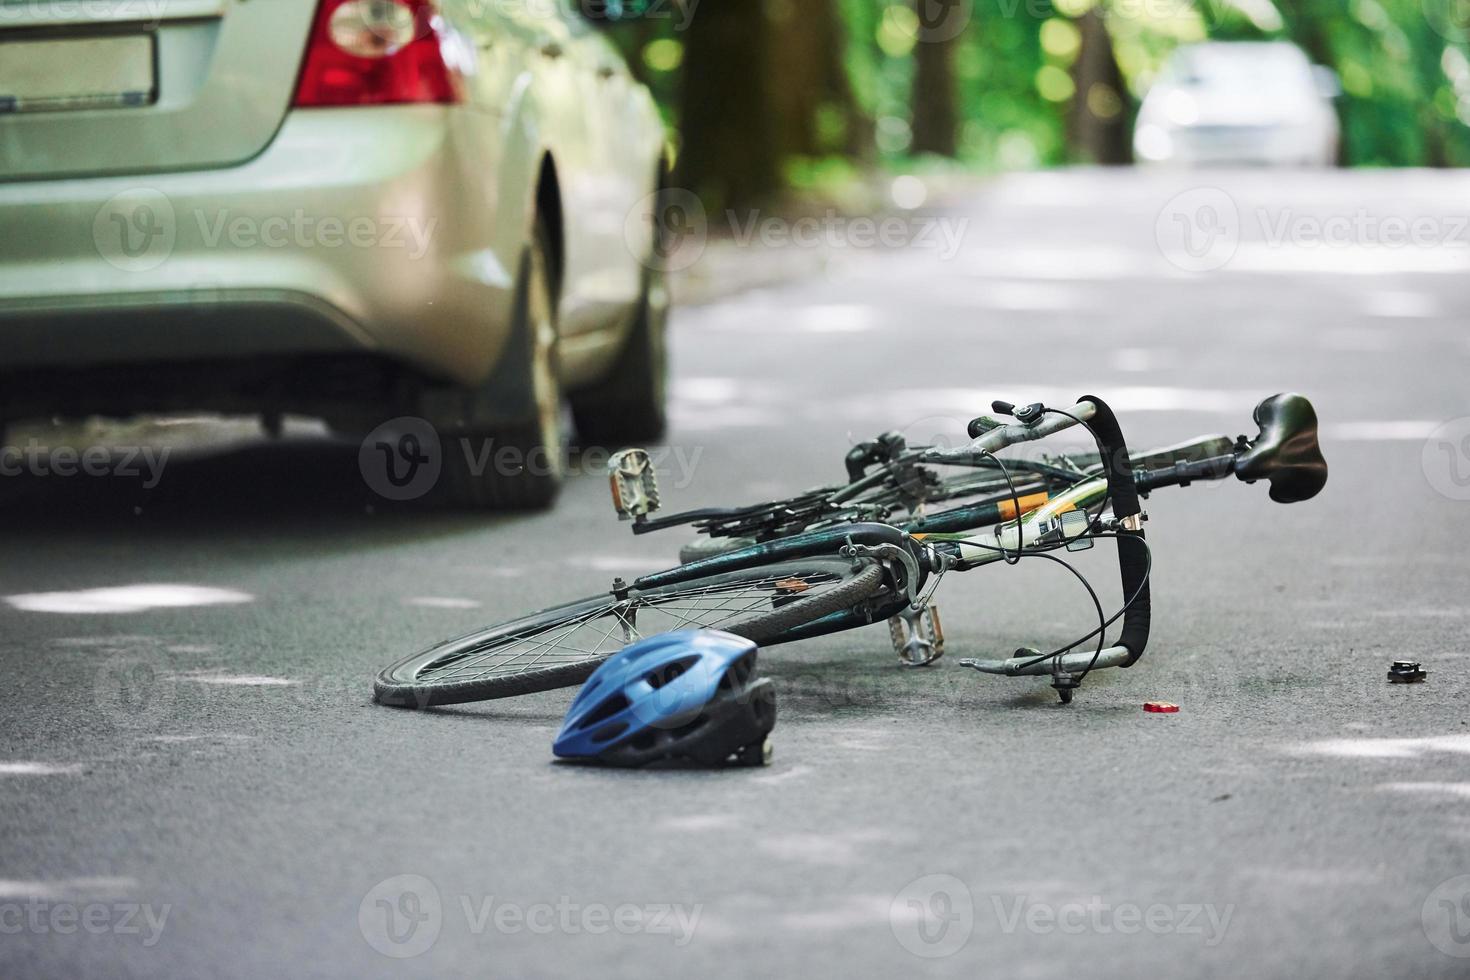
562	646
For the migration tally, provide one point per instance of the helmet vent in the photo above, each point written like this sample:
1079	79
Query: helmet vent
669	672
739	673
611	732
608	708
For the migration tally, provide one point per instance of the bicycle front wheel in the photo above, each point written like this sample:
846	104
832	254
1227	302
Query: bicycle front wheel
562	646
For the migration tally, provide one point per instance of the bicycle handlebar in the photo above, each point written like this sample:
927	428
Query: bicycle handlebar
1133	561
1133	564
997	435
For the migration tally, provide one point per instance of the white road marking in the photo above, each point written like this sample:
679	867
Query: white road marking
127	599
66	887
619	563
38	769
1461	790
850	912
835	318
1401	305
700	822
442	602
1382	430
1388	748
231	680
221	737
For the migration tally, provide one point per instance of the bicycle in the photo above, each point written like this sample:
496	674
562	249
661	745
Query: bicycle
869	551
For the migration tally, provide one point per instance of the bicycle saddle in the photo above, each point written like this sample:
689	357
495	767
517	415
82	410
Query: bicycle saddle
1286	452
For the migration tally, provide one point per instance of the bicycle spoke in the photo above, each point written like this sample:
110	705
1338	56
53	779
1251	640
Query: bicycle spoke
600	631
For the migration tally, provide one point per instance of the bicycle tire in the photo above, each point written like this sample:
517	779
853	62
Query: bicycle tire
437	676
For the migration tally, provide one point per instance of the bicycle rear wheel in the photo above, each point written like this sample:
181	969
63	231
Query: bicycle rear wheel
562	646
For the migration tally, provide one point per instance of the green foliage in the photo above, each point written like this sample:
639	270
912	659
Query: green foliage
1402	63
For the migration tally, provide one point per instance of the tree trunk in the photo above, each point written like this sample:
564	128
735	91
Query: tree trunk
809	79
935	116
728	154
1097	125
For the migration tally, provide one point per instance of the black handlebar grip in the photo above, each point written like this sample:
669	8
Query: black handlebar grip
1133	566
1121	488
1132	552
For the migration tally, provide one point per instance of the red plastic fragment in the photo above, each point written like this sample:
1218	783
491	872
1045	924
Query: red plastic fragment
1161	707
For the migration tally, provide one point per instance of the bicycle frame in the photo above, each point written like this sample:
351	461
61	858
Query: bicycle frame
827	541
1086	496
1014	532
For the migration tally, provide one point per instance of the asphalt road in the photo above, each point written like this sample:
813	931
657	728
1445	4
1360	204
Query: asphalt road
194	781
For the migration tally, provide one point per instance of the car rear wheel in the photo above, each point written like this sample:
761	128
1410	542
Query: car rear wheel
519	466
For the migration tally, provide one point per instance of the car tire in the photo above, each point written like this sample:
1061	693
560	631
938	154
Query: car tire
518	466
629	406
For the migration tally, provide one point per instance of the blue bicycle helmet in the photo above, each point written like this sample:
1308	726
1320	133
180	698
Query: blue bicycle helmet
688	696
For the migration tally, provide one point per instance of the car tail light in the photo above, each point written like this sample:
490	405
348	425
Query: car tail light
375	52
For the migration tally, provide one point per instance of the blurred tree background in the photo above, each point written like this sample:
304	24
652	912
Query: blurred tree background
763	95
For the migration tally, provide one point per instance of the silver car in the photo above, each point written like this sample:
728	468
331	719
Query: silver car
350	209
1234	102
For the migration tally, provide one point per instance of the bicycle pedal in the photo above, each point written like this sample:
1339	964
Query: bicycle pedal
918	636
634	484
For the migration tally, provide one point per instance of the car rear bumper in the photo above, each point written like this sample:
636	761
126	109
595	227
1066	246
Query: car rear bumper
1262	146
355	230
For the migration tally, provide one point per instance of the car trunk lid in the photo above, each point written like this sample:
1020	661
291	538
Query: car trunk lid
137	86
